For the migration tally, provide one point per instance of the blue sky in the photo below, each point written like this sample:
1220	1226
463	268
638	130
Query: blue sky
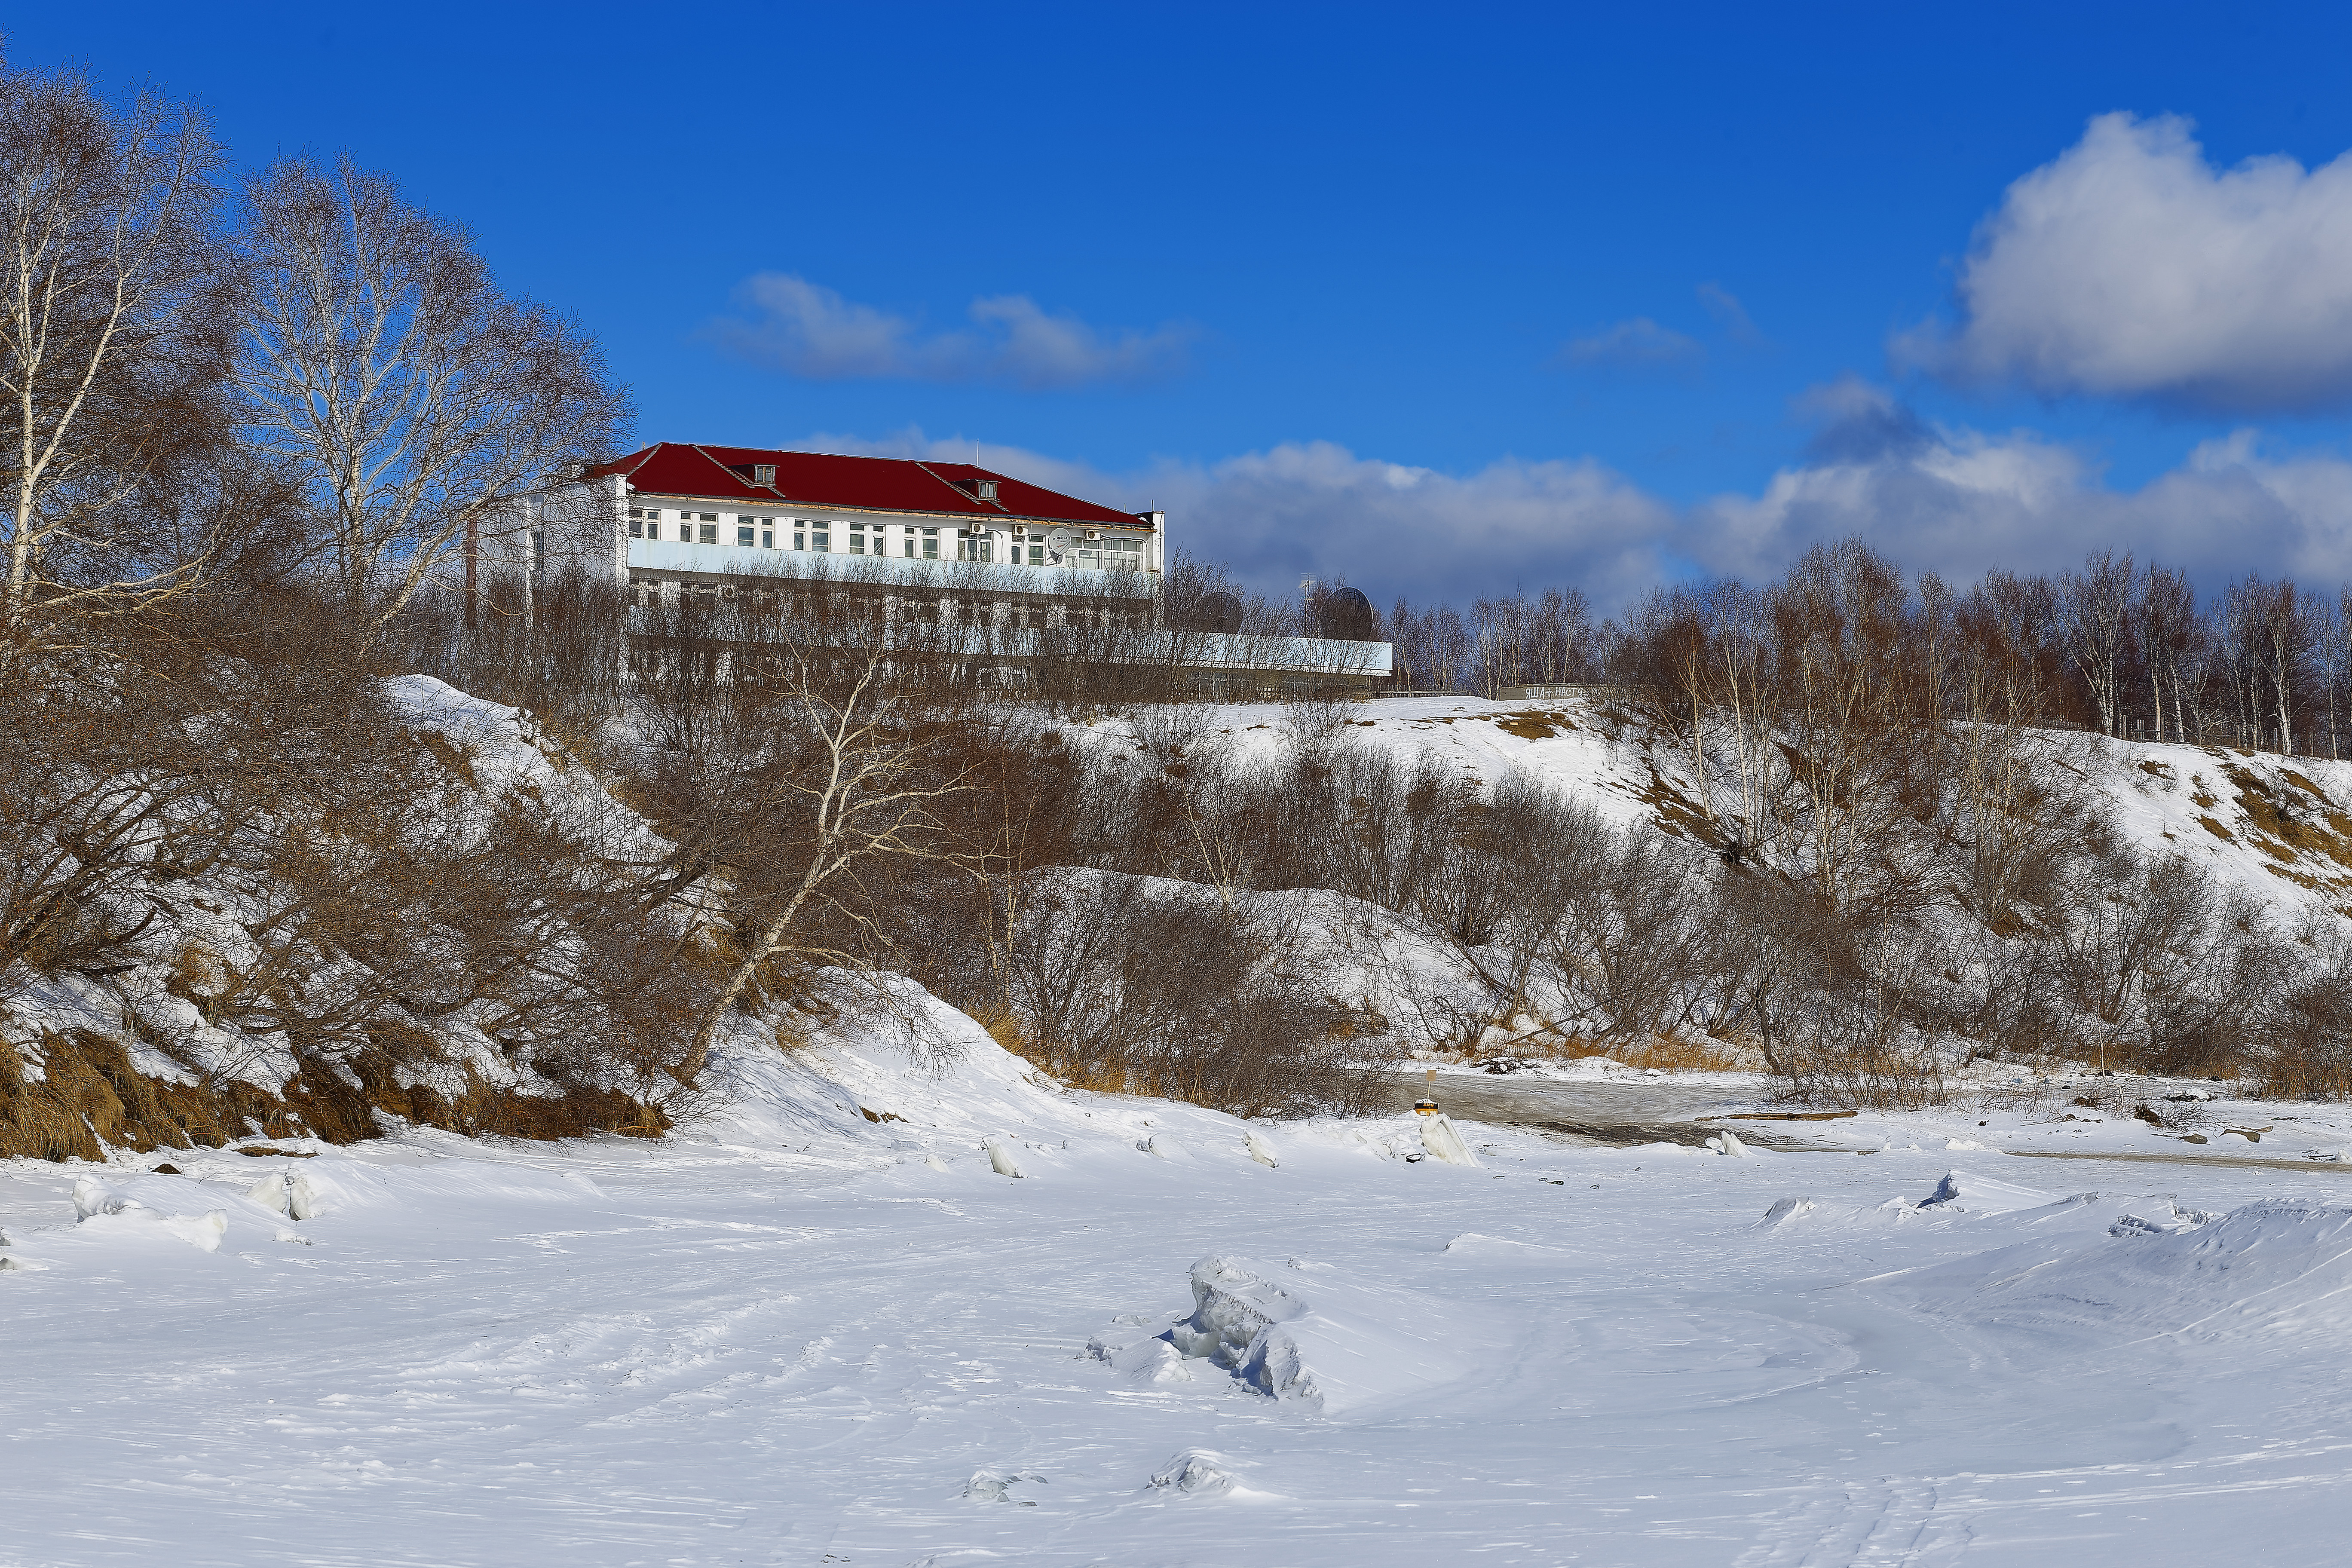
1448	300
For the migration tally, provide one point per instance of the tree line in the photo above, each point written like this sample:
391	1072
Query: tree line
2125	648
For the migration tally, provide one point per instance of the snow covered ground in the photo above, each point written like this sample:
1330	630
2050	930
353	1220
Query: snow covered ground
807	1336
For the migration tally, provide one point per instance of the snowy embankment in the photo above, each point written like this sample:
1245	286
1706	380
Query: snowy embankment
2279	827
826	1327
188	1039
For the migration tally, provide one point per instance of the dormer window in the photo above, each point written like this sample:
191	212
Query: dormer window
763	474
985	490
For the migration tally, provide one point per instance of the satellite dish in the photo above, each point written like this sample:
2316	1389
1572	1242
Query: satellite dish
1346	615
1219	613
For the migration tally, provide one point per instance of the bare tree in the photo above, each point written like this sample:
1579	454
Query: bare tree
1852	707
112	338
2165	625
2287	636
421	403
1433	646
2095	619
835	770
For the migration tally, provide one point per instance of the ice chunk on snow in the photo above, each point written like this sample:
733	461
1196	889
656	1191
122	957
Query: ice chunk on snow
288	1193
92	1196
1196	1472
1164	1146
201	1231
990	1485
1787	1211
1000	1158
1726	1142
935	1162
2163	1218
1233	1310
1970	1194
1148	1362
1353	1342
1438	1136
1260	1150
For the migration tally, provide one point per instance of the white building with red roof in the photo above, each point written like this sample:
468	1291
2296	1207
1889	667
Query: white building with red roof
680	514
944	544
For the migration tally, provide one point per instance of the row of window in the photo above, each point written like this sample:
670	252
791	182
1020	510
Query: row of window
814	535
647	592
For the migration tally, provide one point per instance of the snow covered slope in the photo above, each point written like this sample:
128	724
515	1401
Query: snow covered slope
2279	826
155	1052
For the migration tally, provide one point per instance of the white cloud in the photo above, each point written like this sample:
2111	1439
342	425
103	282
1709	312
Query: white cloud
1955	501
1962	501
1315	508
1638	345
2131	267
811	330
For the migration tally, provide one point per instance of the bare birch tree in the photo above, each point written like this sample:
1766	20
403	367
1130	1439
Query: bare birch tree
835	765
112	336
421	404
2165	621
2095	620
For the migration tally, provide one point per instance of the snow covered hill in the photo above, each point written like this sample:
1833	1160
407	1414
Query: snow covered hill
2279	826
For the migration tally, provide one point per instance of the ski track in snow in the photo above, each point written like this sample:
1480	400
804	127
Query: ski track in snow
796	1343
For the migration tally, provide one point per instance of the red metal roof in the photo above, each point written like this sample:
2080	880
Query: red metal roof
865	484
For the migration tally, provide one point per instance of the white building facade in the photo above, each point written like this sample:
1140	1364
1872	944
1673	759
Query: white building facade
679	517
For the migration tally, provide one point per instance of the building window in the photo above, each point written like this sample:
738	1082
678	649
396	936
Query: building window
857	539
930	545
799	539
1037	555
764	473
1123	555
820	538
909	542
645	522
767	539
971	544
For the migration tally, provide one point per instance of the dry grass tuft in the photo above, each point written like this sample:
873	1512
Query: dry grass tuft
1533	724
1070	1071
1669	1053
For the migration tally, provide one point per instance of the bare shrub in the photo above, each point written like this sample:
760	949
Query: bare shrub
2304	1046
1155	989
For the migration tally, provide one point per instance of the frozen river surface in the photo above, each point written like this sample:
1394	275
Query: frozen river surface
821	1339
